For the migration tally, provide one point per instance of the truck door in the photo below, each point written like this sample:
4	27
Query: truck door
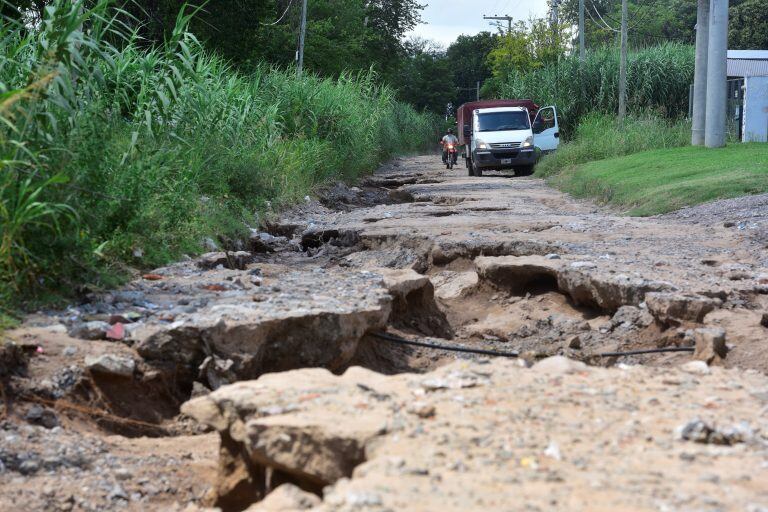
546	131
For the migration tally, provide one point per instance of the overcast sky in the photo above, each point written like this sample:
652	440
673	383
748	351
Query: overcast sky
445	20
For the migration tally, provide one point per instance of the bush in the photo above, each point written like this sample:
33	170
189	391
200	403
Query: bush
598	137
658	79
114	154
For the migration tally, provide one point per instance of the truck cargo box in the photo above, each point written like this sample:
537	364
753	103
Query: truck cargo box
464	114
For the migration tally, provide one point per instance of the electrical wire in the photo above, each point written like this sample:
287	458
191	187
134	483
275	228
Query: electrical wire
290	3
605	23
498	353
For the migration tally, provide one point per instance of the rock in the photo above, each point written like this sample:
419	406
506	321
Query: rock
313	449
696	368
678	307
38	415
700	431
552	256
710	345
587	265
123	474
421	409
199	389
414	303
95	330
238	260
286	498
314	320
764	320
69	351
29	467
217	372
110	364
632	316
574	342
559	365
117	493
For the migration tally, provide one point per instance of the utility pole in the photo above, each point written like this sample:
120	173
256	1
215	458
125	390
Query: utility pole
508	19
582	48
623	65
717	64
302	37
700	76
478	90
555	21
555	14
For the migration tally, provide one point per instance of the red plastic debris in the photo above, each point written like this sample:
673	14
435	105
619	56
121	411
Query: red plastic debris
215	288
117	332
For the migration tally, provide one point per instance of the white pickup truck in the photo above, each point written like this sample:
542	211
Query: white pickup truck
506	134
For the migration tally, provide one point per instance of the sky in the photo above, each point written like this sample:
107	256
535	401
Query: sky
445	20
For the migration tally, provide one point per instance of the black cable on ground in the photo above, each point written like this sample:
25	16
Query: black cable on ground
497	353
647	351
450	348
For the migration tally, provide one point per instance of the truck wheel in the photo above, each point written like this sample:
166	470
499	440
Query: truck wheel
477	170
524	171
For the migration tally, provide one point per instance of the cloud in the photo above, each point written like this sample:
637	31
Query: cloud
444	21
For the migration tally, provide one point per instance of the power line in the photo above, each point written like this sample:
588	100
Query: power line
281	17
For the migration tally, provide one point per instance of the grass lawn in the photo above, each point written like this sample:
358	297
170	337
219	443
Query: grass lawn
663	180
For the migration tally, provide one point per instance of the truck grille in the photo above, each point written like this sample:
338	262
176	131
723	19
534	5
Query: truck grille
505	145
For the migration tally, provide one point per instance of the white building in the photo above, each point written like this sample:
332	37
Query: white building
749	70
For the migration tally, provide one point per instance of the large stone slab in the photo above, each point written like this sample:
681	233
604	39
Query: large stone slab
310	319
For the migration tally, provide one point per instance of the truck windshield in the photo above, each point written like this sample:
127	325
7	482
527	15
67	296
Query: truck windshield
503	121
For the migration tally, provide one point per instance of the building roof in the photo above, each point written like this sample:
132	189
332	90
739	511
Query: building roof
747	63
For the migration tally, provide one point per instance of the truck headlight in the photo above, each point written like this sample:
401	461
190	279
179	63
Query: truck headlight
481	144
528	142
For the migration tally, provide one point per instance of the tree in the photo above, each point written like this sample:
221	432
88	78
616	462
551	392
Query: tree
425	79
468	60
342	34
749	26
528	46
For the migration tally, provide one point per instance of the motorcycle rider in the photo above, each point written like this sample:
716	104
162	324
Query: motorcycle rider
449	138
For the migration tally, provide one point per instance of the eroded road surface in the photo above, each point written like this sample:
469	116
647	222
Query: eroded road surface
255	377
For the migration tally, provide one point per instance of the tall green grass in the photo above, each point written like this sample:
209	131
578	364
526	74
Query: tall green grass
114	154
658	79
599	136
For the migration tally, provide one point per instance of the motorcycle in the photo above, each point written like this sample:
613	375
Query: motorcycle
450	155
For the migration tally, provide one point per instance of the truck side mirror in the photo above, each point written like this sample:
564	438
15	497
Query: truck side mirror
467	130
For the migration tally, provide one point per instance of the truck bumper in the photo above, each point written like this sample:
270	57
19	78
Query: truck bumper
505	159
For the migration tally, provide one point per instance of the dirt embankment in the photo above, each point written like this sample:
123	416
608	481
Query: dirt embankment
493	263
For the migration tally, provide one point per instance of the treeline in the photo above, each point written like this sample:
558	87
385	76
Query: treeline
500	60
113	152
342	35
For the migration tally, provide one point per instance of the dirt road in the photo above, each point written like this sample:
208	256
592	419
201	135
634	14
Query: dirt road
498	263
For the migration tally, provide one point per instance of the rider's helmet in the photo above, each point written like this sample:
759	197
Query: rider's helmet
450	131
